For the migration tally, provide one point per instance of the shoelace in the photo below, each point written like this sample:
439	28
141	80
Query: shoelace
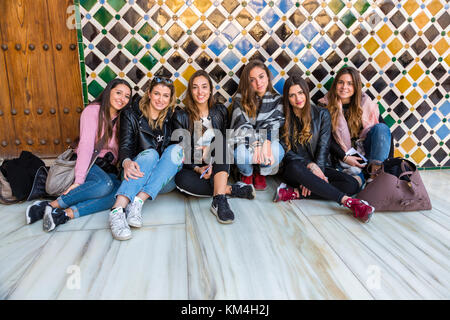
118	221
134	209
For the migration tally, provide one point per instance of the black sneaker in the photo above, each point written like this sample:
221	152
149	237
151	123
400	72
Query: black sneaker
221	209
36	211
242	190
54	217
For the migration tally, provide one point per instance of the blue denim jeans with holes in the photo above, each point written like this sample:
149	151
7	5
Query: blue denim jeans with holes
96	194
159	173
243	157
378	143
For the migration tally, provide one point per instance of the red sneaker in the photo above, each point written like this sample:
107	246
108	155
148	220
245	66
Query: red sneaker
285	194
259	182
247	179
361	209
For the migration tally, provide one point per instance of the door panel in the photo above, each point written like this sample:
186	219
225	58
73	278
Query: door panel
43	79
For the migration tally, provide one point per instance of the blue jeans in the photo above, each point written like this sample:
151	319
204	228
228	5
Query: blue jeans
158	172
378	143
243	157
96	194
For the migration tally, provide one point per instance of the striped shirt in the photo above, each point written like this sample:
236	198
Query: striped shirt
265	125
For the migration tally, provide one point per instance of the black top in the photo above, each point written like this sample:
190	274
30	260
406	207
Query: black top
317	149
218	114
136	135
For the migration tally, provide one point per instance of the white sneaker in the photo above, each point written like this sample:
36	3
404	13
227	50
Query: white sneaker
134	213
119	226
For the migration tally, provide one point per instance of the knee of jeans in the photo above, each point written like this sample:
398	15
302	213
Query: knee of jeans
176	154
381	128
148	154
242	155
105	188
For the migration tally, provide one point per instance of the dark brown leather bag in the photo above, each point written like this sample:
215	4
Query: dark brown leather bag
396	187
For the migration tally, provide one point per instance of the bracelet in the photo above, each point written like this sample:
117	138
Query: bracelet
345	158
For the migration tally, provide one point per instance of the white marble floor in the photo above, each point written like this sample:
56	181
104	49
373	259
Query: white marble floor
306	249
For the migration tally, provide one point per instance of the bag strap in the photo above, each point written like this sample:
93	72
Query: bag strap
378	171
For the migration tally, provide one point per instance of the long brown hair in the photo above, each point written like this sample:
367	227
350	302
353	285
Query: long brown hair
105	124
304	135
249	98
190	105
354	118
144	103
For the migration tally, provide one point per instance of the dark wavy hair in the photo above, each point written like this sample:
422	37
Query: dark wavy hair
304	134
190	105
249	99
105	125
355	111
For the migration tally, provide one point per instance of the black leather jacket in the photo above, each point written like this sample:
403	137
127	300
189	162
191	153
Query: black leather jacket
218	115
136	135
317	150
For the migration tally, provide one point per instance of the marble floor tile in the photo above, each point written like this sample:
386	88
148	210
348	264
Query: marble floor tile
18	251
166	209
319	207
12	218
269	252
397	255
91	265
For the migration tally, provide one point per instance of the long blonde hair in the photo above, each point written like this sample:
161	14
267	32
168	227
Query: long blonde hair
304	135
354	118
144	103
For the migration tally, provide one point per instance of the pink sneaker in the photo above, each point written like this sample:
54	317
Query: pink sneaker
285	194
361	209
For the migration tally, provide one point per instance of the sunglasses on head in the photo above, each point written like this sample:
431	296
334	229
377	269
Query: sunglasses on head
162	79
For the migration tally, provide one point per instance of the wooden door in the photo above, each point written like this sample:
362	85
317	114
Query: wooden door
40	91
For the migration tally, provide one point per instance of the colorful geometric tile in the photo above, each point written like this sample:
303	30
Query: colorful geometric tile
189	17
162	46
103	16
336	6
134	46
174	5
202	5
116	4
404	62
426	84
384	32
421	20
408	144
410	6
395	46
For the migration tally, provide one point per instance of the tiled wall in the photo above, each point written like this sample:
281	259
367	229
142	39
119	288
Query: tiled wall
400	47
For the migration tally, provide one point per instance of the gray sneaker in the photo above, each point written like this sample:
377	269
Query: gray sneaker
119	226
133	212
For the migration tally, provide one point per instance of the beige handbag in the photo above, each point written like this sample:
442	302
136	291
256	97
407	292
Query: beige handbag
61	174
6	196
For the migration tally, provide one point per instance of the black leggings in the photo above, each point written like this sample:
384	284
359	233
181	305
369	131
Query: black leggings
189	181
340	184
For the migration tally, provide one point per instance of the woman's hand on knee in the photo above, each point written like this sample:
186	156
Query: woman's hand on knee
132	170
269	159
73	186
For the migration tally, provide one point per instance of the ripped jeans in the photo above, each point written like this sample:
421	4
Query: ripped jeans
96	194
377	143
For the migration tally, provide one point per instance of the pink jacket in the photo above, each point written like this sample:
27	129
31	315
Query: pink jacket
369	118
88	138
